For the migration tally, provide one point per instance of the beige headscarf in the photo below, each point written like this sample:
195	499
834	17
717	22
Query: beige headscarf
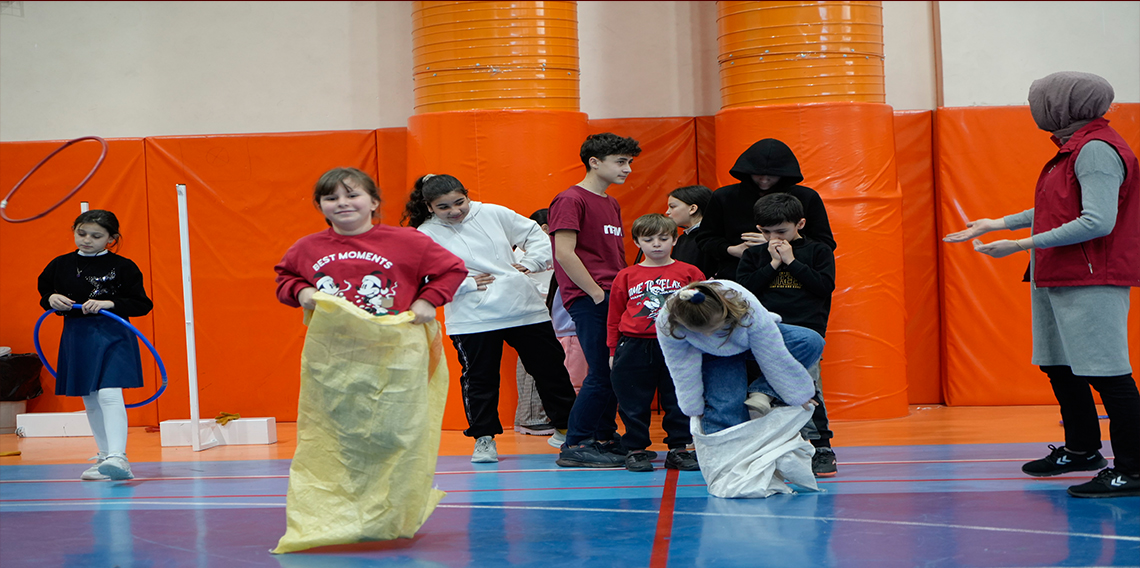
1064	102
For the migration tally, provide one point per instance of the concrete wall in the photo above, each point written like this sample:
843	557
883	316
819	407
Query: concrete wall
120	69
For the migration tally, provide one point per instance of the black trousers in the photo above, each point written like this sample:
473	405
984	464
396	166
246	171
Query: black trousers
1082	426
639	371
481	355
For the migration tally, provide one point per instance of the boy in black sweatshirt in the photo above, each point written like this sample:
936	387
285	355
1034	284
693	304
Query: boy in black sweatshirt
794	276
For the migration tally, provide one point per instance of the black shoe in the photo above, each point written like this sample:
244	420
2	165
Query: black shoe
588	454
638	461
615	446
1108	483
682	459
823	463
1061	461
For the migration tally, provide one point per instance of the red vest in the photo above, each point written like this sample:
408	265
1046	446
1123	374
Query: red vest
1113	259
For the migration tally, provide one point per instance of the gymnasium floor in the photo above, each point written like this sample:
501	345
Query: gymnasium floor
941	487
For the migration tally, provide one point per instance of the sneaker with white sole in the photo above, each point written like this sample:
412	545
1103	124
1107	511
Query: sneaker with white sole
1109	482
535	429
92	473
759	405
485	451
117	468
557	439
1061	460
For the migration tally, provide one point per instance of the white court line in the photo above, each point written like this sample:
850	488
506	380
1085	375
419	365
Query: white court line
803	518
101	502
543	470
647	512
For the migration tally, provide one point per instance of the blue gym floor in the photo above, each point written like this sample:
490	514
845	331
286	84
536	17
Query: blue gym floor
952	505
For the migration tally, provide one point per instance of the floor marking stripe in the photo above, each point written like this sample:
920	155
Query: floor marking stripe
803	518
659	558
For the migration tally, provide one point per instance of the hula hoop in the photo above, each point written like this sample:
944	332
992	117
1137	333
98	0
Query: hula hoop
4	203
157	359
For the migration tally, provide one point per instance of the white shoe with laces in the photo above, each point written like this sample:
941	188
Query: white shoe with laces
92	473
117	468
556	439
759	405
485	451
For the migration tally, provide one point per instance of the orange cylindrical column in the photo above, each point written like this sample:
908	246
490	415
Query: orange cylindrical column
495	55
496	101
800	52
810	74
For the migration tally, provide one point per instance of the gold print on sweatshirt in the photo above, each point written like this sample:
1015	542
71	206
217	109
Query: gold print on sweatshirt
785	280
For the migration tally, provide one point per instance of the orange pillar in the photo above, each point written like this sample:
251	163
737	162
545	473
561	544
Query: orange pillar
810	74
496	98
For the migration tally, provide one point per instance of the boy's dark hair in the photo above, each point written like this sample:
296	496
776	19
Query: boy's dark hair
653	224
698	195
541	216
606	144
104	219
777	208
427	189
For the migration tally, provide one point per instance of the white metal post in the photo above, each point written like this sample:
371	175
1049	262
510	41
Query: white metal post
188	301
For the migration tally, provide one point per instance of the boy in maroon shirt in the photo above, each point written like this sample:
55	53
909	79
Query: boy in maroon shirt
638	366
585	227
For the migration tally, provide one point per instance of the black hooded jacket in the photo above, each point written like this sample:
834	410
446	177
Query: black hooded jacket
730	212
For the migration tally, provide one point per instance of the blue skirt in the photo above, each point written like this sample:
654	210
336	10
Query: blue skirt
97	353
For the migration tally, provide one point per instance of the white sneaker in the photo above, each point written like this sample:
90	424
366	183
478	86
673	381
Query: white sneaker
485	451
92	473
556	439
759	404
117	468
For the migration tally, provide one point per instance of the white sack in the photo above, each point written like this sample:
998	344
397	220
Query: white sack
754	459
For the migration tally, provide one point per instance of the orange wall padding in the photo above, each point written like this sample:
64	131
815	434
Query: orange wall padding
26	248
914	156
249	199
847	153
706	150
988	162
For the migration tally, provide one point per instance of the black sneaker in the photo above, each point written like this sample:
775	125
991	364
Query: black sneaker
638	461
682	459
1108	483
1061	461
823	463
588	454
615	446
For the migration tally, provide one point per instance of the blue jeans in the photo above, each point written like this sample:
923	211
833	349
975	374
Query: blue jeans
594	411
726	378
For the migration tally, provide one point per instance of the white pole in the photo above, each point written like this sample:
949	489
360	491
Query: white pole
84	206
188	301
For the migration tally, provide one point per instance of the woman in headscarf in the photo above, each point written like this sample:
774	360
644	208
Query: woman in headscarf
1084	257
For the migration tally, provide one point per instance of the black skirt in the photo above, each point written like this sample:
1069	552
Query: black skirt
97	353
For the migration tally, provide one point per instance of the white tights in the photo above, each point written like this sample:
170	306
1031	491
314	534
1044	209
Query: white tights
108	418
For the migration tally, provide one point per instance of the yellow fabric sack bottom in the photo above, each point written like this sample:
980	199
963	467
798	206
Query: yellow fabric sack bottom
373	389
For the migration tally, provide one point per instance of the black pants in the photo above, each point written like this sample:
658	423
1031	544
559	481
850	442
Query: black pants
481	355
639	372
1082	426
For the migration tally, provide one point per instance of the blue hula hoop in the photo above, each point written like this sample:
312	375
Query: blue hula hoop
157	359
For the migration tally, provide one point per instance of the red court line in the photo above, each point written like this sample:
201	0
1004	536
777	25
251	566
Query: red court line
659	558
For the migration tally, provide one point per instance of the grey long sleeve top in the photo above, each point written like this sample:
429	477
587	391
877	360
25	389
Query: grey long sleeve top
1100	172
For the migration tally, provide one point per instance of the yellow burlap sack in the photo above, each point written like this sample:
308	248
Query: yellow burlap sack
373	390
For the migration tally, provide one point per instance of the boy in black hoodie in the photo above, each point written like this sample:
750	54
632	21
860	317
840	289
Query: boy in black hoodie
766	167
728	229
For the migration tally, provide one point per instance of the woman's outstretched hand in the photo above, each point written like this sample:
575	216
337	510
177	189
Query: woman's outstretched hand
975	229
997	249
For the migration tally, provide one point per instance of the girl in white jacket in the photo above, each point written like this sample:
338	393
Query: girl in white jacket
496	303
